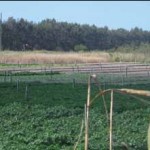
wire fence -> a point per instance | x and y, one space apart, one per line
107 73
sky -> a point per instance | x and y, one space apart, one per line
113 14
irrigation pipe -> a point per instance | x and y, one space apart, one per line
81 129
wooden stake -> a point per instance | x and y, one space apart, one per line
148 139
111 113
87 114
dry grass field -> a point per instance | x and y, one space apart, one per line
50 57
45 57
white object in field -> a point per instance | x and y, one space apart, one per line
93 75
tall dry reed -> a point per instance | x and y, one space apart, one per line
43 57
49 57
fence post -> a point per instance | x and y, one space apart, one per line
11 77
45 71
120 68
72 68
18 63
148 70
26 92
122 80
101 66
5 77
17 85
126 71
74 82
51 73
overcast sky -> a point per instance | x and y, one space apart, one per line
114 14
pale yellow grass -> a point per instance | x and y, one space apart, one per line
46 57
130 57
49 57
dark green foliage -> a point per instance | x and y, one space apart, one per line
49 34
51 118
80 47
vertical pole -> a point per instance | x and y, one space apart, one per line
148 138
11 77
104 85
87 114
5 77
26 92
73 69
147 70
120 68
74 82
17 85
126 71
111 114
0 31
51 73
122 80
45 71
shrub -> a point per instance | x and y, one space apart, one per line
80 47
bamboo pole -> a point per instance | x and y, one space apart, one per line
111 113
148 139
127 91
85 107
82 124
137 92
87 114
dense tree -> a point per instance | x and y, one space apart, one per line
52 35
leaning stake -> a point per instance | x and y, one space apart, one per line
111 113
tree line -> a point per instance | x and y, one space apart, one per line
21 34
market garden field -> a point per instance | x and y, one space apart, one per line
39 111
